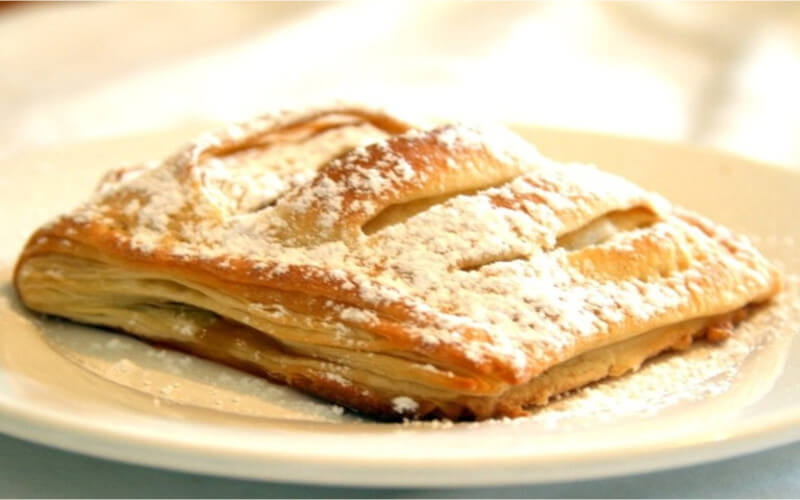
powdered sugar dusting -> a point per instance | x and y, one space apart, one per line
404 404
178 378
705 371
744 367
469 263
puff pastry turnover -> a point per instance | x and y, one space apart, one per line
398 271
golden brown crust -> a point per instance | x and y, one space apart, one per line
399 272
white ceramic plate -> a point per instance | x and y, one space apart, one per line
95 392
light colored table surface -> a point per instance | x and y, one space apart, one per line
28 470
723 76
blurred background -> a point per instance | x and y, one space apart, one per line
721 75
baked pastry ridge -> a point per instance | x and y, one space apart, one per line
398 271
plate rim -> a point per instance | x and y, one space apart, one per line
59 431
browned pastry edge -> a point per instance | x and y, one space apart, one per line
379 406
296 287
303 283
370 402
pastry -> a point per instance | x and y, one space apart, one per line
397 270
